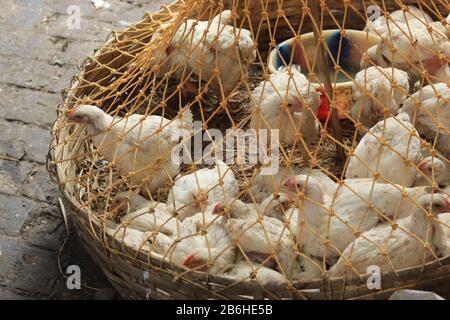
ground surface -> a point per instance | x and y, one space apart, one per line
39 54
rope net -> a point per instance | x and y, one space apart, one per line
268 142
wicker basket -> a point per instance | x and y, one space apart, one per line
136 275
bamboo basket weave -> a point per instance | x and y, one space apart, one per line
136 275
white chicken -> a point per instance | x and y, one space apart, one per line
444 219
284 209
445 191
226 48
391 150
203 244
140 146
287 102
267 241
141 214
277 206
246 271
327 223
432 171
237 209
212 50
194 192
429 110
397 245
126 202
387 89
380 26
157 218
263 240
417 47
447 21
153 242
262 186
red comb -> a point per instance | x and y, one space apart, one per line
324 107
189 260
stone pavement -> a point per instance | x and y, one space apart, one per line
38 56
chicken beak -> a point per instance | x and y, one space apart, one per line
71 115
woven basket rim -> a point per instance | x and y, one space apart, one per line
425 271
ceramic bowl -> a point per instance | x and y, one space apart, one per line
349 48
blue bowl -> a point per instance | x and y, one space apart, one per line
346 51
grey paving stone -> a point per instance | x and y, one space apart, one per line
38 186
38 57
14 211
7 294
23 142
29 106
9 147
43 229
129 10
27 268
37 143
12 175
72 52
89 29
22 14
59 51
34 73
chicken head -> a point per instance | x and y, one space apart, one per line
95 119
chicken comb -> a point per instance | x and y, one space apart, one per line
189 260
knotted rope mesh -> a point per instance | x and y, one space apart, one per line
333 146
